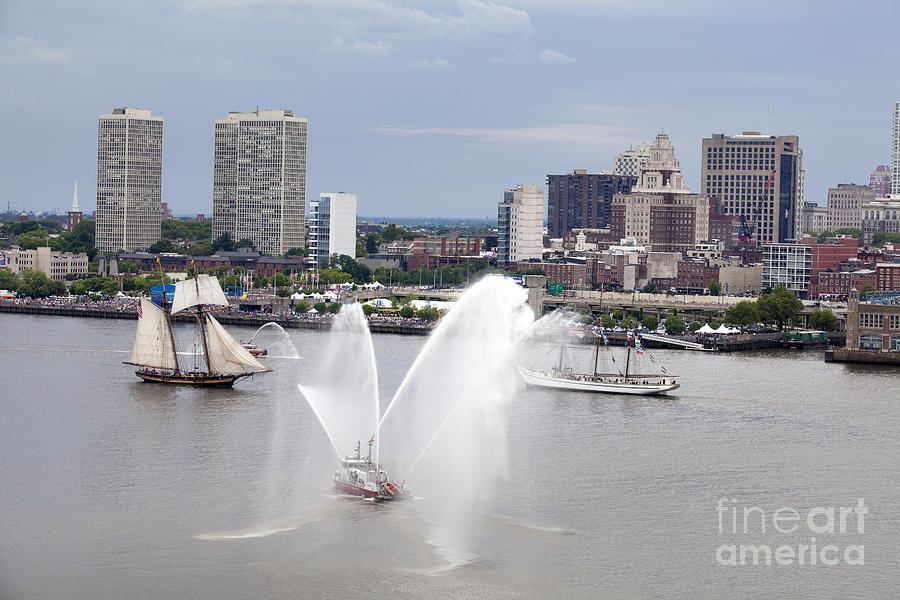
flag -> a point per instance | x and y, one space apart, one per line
139 311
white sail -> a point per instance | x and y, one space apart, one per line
202 290
153 341
226 355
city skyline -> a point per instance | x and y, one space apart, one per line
478 95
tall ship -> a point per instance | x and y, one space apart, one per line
361 476
563 377
223 360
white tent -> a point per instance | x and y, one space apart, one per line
329 296
706 329
312 311
297 296
724 329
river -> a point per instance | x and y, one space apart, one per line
113 488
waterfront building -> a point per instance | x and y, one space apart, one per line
873 325
895 151
837 284
129 179
879 215
520 224
788 265
660 209
813 218
259 179
758 178
844 204
74 215
53 264
582 200
630 161
880 181
332 226
887 277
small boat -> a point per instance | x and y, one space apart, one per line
254 350
224 360
360 476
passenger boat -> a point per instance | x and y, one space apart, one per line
255 350
223 359
360 476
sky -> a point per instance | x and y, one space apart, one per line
433 108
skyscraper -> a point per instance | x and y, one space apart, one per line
895 152
582 200
520 224
630 161
259 179
758 178
332 226
880 181
129 180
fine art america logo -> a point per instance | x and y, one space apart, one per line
818 527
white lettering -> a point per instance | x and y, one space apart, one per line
829 523
777 519
784 556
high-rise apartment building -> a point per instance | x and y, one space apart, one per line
582 200
332 226
259 179
520 224
880 181
844 204
758 178
129 180
895 152
630 161
660 210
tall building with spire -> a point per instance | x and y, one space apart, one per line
895 152
660 210
129 180
259 179
74 216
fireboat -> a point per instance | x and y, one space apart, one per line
359 476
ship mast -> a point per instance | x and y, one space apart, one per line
198 313
627 341
597 349
165 307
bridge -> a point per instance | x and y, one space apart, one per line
662 339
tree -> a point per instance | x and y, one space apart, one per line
695 325
161 245
780 306
358 272
629 323
320 307
675 325
407 312
294 252
245 243
650 288
650 322
368 309
866 288
824 319
301 307
607 321
334 308
715 287
38 285
617 314
880 238
223 242
8 280
743 313
429 314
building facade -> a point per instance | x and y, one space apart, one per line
881 215
887 277
872 326
660 210
582 200
630 161
895 151
789 265
813 218
332 226
259 179
844 204
758 178
880 181
520 224
129 179
55 265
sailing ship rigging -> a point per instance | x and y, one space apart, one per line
155 352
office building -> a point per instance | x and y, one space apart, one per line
259 179
630 161
53 264
129 179
844 204
880 181
879 215
582 200
788 265
895 151
520 224
757 178
660 210
332 226
813 218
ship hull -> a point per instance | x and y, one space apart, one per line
587 384
355 490
200 380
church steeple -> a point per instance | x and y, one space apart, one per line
74 217
75 198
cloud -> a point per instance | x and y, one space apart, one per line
565 133
370 48
434 63
21 49
552 57
384 18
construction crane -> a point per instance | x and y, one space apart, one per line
746 232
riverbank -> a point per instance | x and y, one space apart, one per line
392 325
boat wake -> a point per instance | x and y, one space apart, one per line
271 528
520 524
